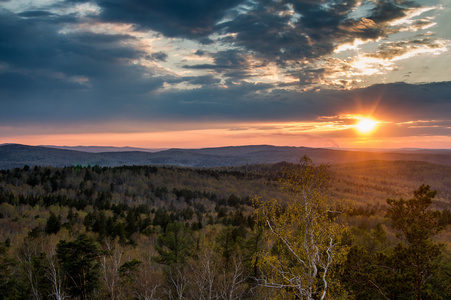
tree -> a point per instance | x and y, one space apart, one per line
175 245
10 286
146 282
410 270
80 261
110 265
205 271
233 278
303 234
54 276
53 224
32 261
419 254
228 239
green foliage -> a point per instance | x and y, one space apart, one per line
175 245
413 217
10 286
303 235
80 261
53 224
176 209
228 240
129 268
419 254
371 276
412 269
38 269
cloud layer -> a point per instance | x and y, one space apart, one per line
100 61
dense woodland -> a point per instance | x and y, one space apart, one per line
370 230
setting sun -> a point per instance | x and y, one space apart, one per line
366 125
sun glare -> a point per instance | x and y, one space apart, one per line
366 125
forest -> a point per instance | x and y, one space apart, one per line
364 230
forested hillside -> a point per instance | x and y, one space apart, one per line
155 232
14 155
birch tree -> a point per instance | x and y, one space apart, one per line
303 238
56 279
110 265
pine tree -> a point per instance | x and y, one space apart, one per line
80 261
53 224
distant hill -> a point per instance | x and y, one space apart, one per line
14 155
100 149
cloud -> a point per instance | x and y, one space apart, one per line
363 28
39 44
236 103
243 38
159 56
399 49
386 11
283 31
234 60
202 80
173 18
35 14
54 75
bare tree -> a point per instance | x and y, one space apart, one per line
147 282
205 275
233 283
110 268
55 277
178 282
29 258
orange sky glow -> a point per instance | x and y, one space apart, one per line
96 74
309 134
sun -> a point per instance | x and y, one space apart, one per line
366 125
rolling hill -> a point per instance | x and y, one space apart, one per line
14 155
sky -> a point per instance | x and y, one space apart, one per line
203 73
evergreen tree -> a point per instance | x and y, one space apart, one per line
53 224
10 286
175 245
80 261
418 254
411 270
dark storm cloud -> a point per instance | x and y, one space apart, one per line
387 10
35 13
173 18
398 102
299 34
52 75
49 75
267 33
36 44
159 56
405 102
285 32
274 33
268 28
229 63
244 102
199 53
237 102
202 80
